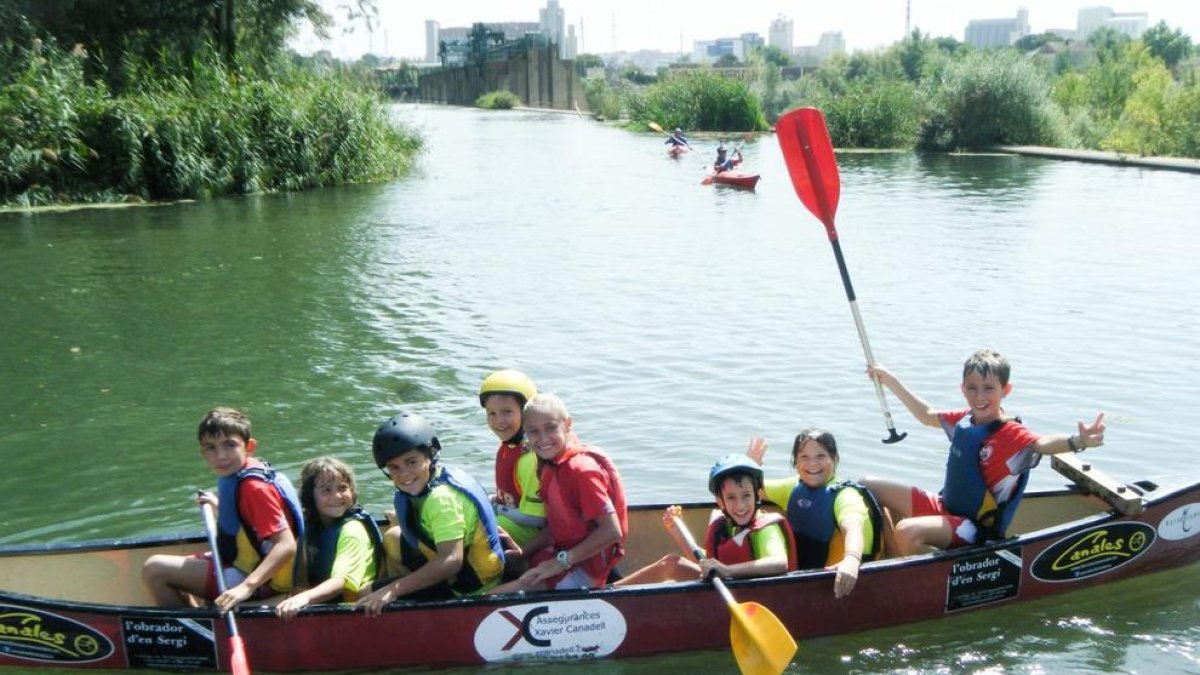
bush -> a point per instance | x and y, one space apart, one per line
602 100
699 100
498 100
882 115
990 98
171 137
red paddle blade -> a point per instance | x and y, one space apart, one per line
808 153
238 664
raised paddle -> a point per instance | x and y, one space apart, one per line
238 664
808 153
761 643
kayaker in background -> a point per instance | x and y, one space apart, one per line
519 509
259 523
343 548
677 140
836 523
724 162
446 526
586 517
991 454
742 540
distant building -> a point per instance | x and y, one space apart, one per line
997 32
780 34
811 56
552 22
1092 19
571 46
432 37
708 51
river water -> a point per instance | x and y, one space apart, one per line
675 319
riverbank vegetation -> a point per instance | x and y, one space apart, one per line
177 114
937 94
498 100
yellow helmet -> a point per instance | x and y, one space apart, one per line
507 382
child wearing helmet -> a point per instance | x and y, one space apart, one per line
450 541
343 548
586 515
677 141
835 523
519 510
742 540
725 162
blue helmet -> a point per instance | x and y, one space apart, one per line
730 464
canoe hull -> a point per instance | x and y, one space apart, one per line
736 178
1095 547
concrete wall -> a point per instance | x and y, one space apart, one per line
539 77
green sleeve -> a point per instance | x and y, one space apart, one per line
769 542
354 560
448 515
850 502
527 478
779 489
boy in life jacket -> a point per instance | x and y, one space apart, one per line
519 509
449 538
835 523
724 162
988 466
742 540
586 517
258 525
343 548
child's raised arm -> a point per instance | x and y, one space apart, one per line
916 405
1088 436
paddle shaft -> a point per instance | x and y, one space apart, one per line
238 662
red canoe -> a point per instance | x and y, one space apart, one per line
735 178
675 151
82 605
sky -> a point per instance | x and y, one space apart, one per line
630 25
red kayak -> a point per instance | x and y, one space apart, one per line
735 178
675 151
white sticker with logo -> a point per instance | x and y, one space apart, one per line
1181 523
571 629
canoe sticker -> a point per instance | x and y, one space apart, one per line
572 629
1181 523
169 643
983 579
35 635
1094 551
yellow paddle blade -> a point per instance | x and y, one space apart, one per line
761 643
654 126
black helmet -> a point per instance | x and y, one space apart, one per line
734 464
401 433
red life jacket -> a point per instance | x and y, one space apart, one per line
507 487
732 550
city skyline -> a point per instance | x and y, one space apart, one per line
604 26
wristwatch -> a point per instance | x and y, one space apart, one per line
563 559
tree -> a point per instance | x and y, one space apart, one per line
1172 46
585 61
726 61
1035 41
774 56
1109 43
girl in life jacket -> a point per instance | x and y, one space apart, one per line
343 550
835 523
742 540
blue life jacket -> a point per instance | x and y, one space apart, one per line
810 514
964 492
416 539
229 519
321 548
